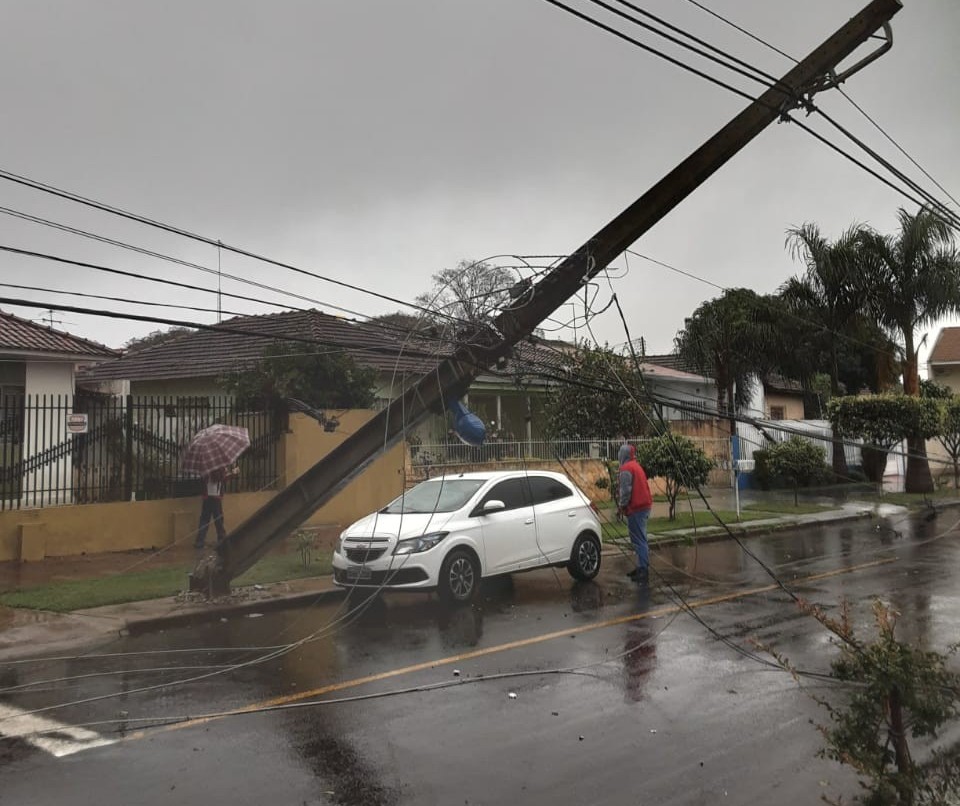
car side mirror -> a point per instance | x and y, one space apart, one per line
493 506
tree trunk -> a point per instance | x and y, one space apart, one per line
911 378
874 463
901 750
840 470
956 475
918 479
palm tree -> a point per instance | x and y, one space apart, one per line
825 295
910 280
728 339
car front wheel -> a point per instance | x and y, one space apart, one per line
585 558
459 577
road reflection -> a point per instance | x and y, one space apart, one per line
639 650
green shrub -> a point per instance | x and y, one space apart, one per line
800 463
763 475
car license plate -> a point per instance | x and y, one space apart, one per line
358 572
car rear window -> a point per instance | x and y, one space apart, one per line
443 495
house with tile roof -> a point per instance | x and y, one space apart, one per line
38 369
507 399
943 364
686 394
194 365
774 396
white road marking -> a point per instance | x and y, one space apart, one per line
56 738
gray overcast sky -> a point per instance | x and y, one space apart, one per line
380 141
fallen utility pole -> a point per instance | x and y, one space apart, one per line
480 350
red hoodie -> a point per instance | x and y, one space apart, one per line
634 488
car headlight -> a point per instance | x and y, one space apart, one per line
415 545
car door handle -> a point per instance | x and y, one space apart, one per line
571 514
528 522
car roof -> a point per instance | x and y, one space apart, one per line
487 475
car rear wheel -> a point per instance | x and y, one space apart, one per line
585 558
459 577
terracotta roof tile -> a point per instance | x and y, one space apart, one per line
209 353
22 334
947 347
671 361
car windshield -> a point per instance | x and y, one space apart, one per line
443 495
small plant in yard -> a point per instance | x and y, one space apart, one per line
678 461
800 462
894 693
305 546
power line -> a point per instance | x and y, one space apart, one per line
846 95
598 384
751 72
115 299
650 49
795 316
783 113
397 330
107 208
169 258
275 337
932 200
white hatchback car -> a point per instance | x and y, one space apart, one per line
448 532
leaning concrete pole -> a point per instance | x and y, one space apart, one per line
298 501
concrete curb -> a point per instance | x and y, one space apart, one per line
187 617
713 534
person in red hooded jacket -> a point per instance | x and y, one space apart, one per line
635 502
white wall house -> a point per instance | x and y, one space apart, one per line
38 366
681 395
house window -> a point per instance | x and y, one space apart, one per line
777 413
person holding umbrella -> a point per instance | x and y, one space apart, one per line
211 455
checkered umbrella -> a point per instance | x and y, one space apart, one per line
213 448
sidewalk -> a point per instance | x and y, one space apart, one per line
28 633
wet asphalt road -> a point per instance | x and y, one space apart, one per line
657 711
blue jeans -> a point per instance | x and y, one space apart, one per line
637 526
212 510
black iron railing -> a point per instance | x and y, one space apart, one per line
130 448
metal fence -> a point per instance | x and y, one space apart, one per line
130 449
818 432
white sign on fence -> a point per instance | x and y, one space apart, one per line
77 423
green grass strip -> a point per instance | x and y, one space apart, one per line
80 594
684 520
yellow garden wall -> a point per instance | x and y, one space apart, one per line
32 534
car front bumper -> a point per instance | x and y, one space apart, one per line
382 573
